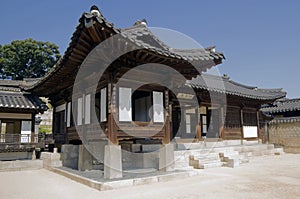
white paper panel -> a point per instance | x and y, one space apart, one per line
188 123
79 111
250 131
26 127
158 107
204 120
87 109
204 127
69 114
103 110
25 130
125 109
60 108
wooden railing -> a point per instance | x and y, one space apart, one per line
20 138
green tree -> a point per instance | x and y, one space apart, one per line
27 59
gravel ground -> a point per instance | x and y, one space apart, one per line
263 177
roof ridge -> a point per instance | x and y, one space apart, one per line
243 85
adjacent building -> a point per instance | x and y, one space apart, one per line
17 120
284 128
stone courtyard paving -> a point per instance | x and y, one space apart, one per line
263 177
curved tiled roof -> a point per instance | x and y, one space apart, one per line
93 29
226 86
12 96
284 105
142 36
285 120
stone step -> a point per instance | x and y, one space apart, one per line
243 149
190 146
186 168
224 149
230 153
181 163
214 144
227 158
278 151
244 160
209 165
232 163
207 159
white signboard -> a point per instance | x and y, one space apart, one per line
125 110
103 105
158 107
250 131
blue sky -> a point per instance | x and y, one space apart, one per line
260 39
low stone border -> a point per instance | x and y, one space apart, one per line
19 165
121 183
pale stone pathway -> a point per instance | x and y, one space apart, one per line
263 177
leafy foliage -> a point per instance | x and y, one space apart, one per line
27 59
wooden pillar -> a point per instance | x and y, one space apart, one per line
53 124
111 98
167 137
222 123
32 127
258 125
198 126
242 124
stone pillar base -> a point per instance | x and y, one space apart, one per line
85 159
113 162
166 158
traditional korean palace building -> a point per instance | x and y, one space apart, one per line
187 104
17 119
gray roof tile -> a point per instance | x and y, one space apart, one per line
283 105
229 87
12 96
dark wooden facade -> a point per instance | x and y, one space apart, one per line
81 114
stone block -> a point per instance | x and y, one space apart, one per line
97 148
117 184
254 142
150 147
51 160
233 163
18 165
151 160
69 156
214 144
136 148
232 142
166 157
190 146
146 180
85 159
113 162
27 164
15 156
132 160
139 160
172 176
